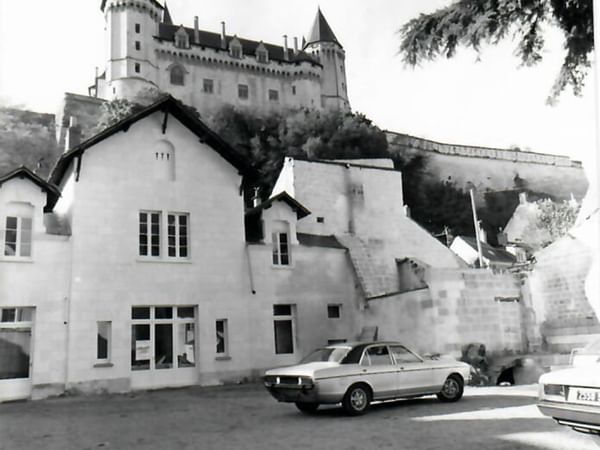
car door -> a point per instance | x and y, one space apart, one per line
379 370
414 375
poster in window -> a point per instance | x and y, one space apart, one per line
142 350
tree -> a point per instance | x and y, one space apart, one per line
556 218
471 23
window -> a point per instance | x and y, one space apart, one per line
273 95
137 67
207 86
243 91
221 337
376 356
177 75
149 233
177 226
162 337
293 90
103 342
281 249
17 236
137 28
138 46
320 219
403 355
235 50
177 235
334 311
284 328
261 57
182 40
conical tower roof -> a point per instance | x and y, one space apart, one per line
321 31
167 16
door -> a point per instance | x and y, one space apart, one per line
414 375
15 353
378 369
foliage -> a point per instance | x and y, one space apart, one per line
472 23
265 138
556 217
27 138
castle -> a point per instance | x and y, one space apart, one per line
206 70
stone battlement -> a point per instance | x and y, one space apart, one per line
416 143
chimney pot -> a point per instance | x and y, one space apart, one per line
73 134
286 55
295 45
223 36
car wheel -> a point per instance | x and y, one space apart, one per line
307 408
452 390
357 399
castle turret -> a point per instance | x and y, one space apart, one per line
323 44
130 27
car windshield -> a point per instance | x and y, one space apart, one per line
331 354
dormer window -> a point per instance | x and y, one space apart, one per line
182 40
262 55
235 48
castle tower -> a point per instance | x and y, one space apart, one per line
130 27
323 44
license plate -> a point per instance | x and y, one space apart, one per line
584 396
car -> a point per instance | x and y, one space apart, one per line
572 396
355 374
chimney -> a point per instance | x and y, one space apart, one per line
295 45
522 198
196 31
223 37
72 135
286 56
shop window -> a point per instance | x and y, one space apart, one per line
103 342
243 91
221 337
334 311
164 338
283 324
17 236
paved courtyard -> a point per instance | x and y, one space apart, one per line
246 417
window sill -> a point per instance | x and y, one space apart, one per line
282 266
103 364
164 260
16 259
223 358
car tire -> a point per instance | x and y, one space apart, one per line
307 408
357 399
452 390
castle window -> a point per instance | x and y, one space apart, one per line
273 95
138 46
207 86
243 91
236 52
177 75
137 67
293 90
137 28
235 48
261 57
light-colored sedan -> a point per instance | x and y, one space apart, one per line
572 397
354 374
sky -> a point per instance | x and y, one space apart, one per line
51 47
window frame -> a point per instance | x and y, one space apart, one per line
243 91
208 86
273 95
106 360
177 236
280 317
330 307
149 234
177 75
19 235
277 252
225 335
137 67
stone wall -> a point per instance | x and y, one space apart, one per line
460 306
86 110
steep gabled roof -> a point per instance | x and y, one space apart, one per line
166 18
23 172
299 208
168 105
492 254
166 32
321 31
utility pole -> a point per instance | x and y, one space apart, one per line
476 223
